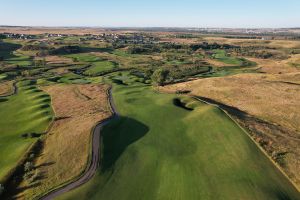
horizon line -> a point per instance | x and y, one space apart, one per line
146 27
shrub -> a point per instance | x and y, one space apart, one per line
24 135
159 76
28 166
34 135
31 156
27 176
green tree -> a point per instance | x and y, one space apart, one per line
159 76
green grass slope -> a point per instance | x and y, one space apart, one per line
221 56
99 67
158 149
28 111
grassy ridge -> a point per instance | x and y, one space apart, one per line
28 111
158 150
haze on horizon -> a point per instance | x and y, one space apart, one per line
154 13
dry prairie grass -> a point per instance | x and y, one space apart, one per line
6 88
217 63
57 60
78 108
287 44
268 97
272 66
41 30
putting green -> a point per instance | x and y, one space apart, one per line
28 111
159 150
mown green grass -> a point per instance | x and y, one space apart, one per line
221 56
20 60
3 76
157 150
99 67
28 111
84 57
70 78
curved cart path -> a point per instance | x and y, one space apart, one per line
93 165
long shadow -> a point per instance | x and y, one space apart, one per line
230 109
117 136
95 49
7 48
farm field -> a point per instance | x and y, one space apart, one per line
152 157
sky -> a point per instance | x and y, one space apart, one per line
152 13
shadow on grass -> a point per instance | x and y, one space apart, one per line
177 102
46 164
6 50
94 49
117 136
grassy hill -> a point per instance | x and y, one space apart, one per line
169 147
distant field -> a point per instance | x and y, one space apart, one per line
169 147
28 111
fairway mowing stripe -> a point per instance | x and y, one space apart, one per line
244 130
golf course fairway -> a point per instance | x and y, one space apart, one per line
158 149
24 115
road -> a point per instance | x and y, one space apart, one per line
93 165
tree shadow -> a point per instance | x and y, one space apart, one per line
46 164
6 50
95 49
117 136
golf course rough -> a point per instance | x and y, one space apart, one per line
26 112
157 150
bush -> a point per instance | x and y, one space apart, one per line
24 135
34 135
31 156
28 166
159 76
27 176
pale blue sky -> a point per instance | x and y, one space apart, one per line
151 13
